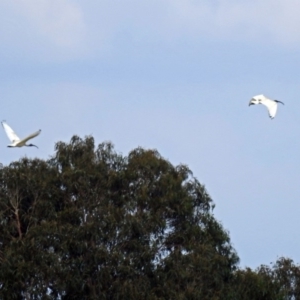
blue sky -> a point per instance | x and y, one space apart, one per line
175 75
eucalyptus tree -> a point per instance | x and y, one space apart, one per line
90 223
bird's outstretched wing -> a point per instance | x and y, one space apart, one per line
31 136
272 111
271 106
10 133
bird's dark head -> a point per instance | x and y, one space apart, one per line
256 100
31 145
253 101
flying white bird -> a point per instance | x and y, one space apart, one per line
270 104
15 140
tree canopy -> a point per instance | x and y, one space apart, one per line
89 223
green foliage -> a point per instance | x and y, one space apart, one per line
287 276
260 285
279 282
92 224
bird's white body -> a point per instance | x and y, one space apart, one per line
270 104
15 140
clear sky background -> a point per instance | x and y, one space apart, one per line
177 76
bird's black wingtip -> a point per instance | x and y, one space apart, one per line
279 101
